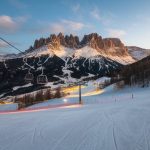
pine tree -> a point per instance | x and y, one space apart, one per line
48 94
58 93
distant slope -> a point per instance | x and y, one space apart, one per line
138 53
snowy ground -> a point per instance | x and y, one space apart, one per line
111 120
8 107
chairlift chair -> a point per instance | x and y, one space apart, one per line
29 77
42 79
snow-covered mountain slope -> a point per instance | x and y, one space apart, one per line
49 50
57 69
138 53
126 59
85 52
88 52
8 56
114 121
64 52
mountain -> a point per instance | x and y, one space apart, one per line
69 46
63 59
138 53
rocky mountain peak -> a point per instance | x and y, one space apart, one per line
72 41
67 41
94 40
115 46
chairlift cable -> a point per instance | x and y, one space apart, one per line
11 45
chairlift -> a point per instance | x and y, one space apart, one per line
29 77
42 79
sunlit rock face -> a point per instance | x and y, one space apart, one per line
93 40
72 41
114 46
69 41
108 45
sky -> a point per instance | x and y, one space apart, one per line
23 21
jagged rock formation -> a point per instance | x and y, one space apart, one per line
111 46
94 40
115 46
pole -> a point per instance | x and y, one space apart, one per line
80 101
132 83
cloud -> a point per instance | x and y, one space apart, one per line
118 33
96 14
7 24
56 28
106 18
11 25
76 8
72 25
64 26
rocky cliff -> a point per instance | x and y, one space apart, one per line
112 46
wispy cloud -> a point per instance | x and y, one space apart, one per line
118 33
96 14
9 24
76 8
73 25
64 26
56 28
103 17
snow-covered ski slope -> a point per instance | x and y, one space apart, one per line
111 120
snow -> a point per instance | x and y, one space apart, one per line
18 87
1 95
138 53
49 50
86 52
127 59
8 107
122 124
64 52
44 50
102 80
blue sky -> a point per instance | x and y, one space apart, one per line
23 21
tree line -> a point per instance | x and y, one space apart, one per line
38 96
137 73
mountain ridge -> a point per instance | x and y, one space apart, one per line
70 45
